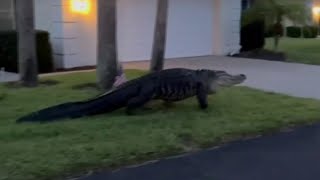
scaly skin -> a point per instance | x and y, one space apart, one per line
168 85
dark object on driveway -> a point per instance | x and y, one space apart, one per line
169 85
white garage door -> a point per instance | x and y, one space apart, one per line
189 33
135 29
190 28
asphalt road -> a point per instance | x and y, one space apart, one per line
284 156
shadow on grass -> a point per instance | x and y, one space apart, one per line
42 83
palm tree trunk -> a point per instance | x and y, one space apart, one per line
28 67
159 40
106 46
278 30
276 42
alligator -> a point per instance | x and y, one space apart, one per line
169 85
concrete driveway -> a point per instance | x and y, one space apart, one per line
289 78
7 76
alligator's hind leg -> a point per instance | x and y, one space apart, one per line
140 100
135 103
202 96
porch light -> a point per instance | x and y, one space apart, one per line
316 10
80 6
316 15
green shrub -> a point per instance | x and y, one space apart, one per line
9 52
252 31
310 31
294 31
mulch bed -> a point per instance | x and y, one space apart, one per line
263 54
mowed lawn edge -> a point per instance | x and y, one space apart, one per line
298 50
60 149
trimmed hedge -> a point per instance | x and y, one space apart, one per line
294 31
9 52
310 31
305 31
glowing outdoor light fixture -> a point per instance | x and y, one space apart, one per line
316 10
80 6
316 13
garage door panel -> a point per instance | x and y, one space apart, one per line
190 28
135 29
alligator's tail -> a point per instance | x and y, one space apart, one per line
70 110
62 111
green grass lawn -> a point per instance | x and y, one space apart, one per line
49 151
298 50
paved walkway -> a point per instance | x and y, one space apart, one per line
7 77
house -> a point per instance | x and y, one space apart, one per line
195 28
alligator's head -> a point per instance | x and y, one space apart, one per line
218 79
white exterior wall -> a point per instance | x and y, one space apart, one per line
54 17
195 28
227 14
190 28
135 29
43 14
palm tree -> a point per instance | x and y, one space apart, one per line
107 66
273 12
28 68
159 40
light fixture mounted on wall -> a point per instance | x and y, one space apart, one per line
316 15
80 6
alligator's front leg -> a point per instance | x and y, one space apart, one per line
202 96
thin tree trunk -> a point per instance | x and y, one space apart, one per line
159 41
28 67
107 46
276 42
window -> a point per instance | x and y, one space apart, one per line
7 18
